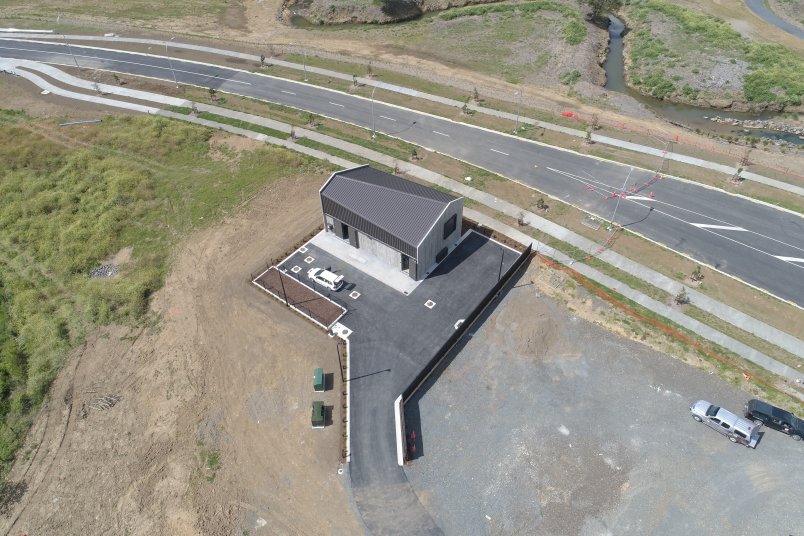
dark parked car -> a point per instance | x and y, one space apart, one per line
763 413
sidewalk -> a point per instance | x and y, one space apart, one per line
728 314
606 140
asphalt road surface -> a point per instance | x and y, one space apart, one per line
757 243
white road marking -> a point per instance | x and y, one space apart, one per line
496 151
440 133
722 227
336 104
206 75
638 198
388 118
288 92
789 259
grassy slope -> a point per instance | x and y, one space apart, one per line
141 182
681 68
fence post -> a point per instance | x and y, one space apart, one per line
284 294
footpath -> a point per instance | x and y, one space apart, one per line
598 138
777 337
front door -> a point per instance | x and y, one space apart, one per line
344 231
405 263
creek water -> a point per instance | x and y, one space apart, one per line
690 116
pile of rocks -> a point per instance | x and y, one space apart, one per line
765 124
104 271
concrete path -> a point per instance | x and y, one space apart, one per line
606 140
725 312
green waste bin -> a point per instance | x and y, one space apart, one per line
318 380
318 414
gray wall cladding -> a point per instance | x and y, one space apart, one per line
393 210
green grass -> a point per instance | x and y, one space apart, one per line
243 124
776 74
573 29
143 182
140 10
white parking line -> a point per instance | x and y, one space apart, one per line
722 227
789 259
496 151
288 92
388 118
336 104
440 133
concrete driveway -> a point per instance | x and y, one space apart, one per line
547 424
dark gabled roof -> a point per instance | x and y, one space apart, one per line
396 211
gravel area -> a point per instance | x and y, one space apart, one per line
547 424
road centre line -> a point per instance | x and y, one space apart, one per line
587 181
288 92
496 151
124 61
728 238
388 118
336 104
440 133
722 227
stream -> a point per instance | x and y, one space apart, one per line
683 114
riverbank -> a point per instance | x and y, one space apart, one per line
327 12
683 56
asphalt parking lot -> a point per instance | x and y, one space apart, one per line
394 337
547 424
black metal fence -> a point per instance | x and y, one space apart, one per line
467 323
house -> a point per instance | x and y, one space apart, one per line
406 225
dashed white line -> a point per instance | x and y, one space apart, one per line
388 118
722 227
288 92
440 133
336 104
789 259
496 151
638 197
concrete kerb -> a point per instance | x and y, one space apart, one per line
415 170
434 98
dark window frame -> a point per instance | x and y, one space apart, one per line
450 224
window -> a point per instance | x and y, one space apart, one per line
725 425
740 434
450 225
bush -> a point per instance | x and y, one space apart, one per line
570 77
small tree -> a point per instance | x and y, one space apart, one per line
354 80
97 88
414 155
194 109
475 95
682 298
595 122
540 204
697 274
262 60
117 79
369 71
213 94
520 219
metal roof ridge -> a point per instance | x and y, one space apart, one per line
400 191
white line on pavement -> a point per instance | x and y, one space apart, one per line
637 198
440 133
288 92
336 104
130 63
722 227
789 259
388 118
496 151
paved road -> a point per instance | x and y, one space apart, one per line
761 10
754 242
395 337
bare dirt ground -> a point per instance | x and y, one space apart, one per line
211 432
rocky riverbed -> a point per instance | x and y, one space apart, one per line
761 124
